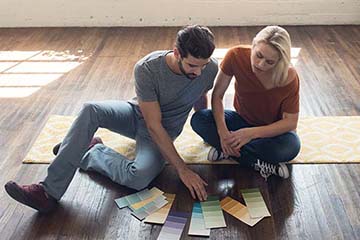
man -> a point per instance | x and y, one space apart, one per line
168 84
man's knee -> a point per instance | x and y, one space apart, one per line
141 176
138 181
91 112
139 184
89 107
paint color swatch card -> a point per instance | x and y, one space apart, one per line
255 203
238 210
155 192
174 226
133 198
197 223
213 215
160 215
149 208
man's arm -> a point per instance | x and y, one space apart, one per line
202 103
152 115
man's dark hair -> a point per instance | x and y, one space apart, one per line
196 40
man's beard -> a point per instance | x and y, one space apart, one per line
190 76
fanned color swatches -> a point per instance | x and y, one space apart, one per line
238 210
133 198
155 192
197 223
213 215
149 208
255 203
160 215
173 227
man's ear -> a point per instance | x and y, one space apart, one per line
177 53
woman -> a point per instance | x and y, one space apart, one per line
261 132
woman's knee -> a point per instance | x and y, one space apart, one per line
294 143
200 119
289 150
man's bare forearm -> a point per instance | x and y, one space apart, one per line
166 146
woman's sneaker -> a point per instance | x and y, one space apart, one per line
216 155
267 169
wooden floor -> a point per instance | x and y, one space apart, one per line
69 66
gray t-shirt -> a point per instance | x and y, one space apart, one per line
176 94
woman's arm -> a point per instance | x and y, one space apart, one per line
286 124
221 85
245 135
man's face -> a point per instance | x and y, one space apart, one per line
192 67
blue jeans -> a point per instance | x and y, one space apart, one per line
119 117
282 148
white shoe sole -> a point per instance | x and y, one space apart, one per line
284 171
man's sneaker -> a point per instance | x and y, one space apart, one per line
93 142
216 155
32 195
267 169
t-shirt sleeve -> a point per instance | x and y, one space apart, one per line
291 102
213 71
144 84
226 64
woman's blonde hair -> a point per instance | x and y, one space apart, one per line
278 38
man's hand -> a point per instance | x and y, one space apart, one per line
152 115
194 183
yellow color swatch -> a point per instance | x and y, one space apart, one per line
160 216
238 210
155 192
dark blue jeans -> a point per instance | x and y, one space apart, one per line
282 148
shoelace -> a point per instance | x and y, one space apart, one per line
266 169
219 155
223 156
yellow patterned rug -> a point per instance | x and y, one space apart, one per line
324 140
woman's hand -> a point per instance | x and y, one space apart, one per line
227 139
240 138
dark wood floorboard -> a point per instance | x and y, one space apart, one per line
319 201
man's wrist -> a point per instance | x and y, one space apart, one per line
181 167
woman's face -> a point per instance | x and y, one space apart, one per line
263 58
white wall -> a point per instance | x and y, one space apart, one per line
41 13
